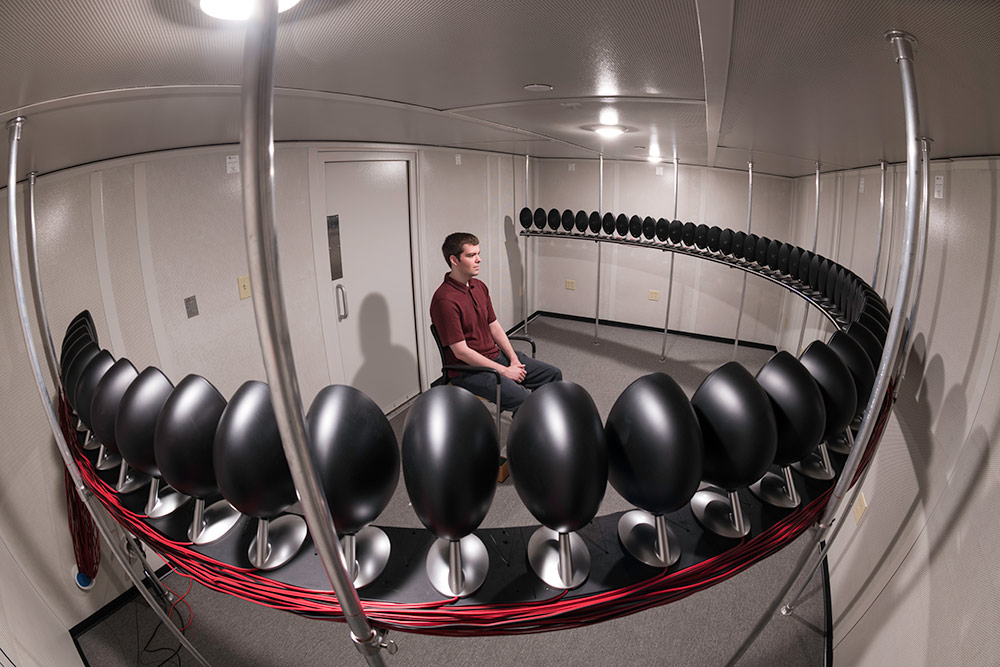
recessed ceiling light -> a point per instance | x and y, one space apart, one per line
607 131
609 116
538 87
655 158
237 10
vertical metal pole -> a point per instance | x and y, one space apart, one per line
881 222
36 285
600 206
524 271
902 44
805 314
925 204
743 293
101 519
670 280
257 154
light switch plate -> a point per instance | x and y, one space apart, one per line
570 284
243 282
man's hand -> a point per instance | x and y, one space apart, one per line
515 371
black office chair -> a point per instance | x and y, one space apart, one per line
463 368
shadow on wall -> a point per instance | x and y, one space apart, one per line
384 367
516 270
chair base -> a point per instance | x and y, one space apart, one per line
719 512
637 531
561 560
371 554
282 538
472 558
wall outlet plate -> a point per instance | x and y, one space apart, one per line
570 284
860 505
654 295
243 282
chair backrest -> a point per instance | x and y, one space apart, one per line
440 347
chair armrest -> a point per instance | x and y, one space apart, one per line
462 368
526 339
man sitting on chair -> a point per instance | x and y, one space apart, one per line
463 315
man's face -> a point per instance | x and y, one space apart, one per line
467 262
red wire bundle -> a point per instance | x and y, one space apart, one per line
442 617
86 540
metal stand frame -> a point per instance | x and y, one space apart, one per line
881 222
911 320
805 313
743 292
600 207
670 279
524 270
902 45
257 156
101 519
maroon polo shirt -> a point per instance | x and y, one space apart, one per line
461 312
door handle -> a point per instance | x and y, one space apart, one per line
341 295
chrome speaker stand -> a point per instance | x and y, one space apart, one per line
719 512
106 459
366 553
163 500
129 479
457 568
648 538
561 560
816 465
277 541
210 523
777 490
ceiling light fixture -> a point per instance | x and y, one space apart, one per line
609 116
655 159
607 131
538 87
237 10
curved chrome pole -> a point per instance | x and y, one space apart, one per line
101 520
524 275
600 206
902 44
670 280
743 293
805 315
881 222
41 314
257 155
918 278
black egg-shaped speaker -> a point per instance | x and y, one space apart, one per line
595 222
701 236
635 226
184 440
450 459
714 238
558 457
107 399
853 355
838 286
760 256
654 445
71 351
250 465
539 218
687 233
621 225
73 367
805 266
608 223
870 321
867 340
525 217
784 252
74 341
821 276
750 247
773 250
737 426
835 384
726 242
739 244
582 219
662 230
554 218
568 220
135 424
815 271
676 231
648 228
799 410
793 262
355 454
90 376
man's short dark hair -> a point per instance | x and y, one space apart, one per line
453 244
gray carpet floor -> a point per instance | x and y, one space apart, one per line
701 630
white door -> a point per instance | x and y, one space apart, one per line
369 282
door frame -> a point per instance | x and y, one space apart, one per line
318 157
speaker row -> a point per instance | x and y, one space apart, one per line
863 310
